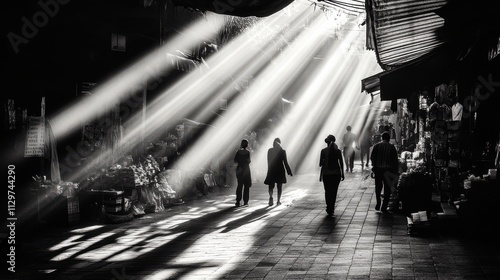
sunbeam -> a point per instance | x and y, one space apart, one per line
250 107
127 82
315 102
199 88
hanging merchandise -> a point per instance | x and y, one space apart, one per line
35 137
423 102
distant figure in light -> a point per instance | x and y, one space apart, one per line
349 140
243 176
276 163
365 144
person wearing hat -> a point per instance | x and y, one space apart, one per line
276 164
332 172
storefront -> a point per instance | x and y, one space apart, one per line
442 84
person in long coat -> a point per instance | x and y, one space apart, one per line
243 175
276 164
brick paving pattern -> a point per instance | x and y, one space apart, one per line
209 238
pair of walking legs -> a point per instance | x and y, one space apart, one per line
365 152
331 185
244 185
271 191
349 158
382 182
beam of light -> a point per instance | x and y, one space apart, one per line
69 241
82 246
330 91
127 82
196 89
343 114
316 97
199 88
340 114
151 243
86 229
248 110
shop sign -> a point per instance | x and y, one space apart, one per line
35 137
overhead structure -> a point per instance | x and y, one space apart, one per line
352 6
242 8
425 42
404 30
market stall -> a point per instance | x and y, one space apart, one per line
125 191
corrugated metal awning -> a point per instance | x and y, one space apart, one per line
427 71
404 30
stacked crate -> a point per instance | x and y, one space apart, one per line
113 201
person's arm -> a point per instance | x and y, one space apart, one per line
497 158
287 166
321 158
373 156
341 163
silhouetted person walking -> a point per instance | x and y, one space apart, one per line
385 163
365 144
276 164
243 176
332 172
349 140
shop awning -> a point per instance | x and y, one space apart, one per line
371 84
422 43
404 30
427 71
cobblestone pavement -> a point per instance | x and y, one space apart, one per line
210 238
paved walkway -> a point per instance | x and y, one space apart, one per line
212 239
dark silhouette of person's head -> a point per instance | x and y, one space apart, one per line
330 139
348 128
386 136
453 99
277 142
244 143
